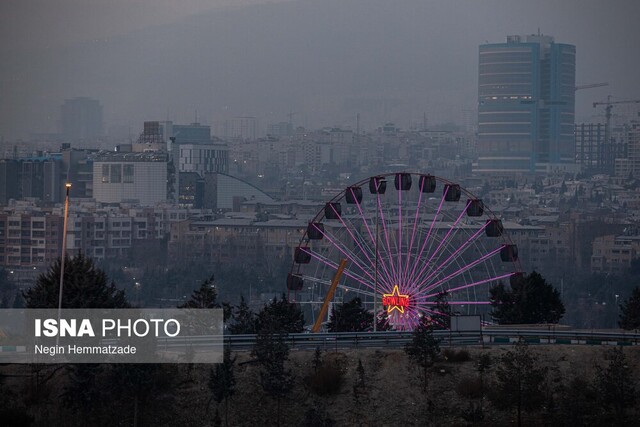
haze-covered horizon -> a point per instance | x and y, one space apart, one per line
325 61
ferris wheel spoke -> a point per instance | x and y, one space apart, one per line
366 253
334 266
470 285
469 302
399 239
413 232
437 267
463 269
426 239
375 240
347 253
424 308
446 243
353 238
444 239
386 240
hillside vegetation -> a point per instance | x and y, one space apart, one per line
579 386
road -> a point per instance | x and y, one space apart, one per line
392 339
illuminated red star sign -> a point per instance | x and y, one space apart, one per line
395 301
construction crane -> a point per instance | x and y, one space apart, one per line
608 107
575 89
590 86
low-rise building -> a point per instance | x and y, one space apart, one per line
614 253
130 177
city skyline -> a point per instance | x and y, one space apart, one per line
395 63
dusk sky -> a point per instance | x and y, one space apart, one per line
324 60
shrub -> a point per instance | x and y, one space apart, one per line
460 356
326 380
470 387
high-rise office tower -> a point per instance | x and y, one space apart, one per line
81 119
526 105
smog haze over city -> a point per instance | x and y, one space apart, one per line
390 61
319 212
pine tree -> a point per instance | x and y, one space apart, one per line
578 403
615 386
630 311
360 378
136 385
350 317
85 286
222 382
519 382
18 301
244 320
204 297
280 316
7 288
271 352
317 360
424 348
530 300
441 316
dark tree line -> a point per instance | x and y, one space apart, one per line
630 311
85 286
519 384
529 299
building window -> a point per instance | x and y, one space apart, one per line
116 174
128 174
105 173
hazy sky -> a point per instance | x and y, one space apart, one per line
325 60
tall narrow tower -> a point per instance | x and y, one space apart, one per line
526 105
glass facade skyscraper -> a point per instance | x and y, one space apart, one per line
526 105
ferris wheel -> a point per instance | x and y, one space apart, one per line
401 242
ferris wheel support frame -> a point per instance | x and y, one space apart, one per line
329 296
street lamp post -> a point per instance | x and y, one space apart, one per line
64 249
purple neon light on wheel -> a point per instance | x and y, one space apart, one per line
407 238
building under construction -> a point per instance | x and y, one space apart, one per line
593 153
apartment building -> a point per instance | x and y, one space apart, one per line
614 253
